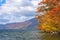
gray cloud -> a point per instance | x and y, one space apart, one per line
17 10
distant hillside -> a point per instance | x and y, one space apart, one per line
31 24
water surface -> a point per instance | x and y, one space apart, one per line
27 35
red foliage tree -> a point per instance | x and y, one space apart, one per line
48 14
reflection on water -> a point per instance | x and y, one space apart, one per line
27 35
49 36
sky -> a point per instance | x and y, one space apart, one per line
17 10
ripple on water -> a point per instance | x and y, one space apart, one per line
28 35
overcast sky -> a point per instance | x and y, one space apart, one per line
17 10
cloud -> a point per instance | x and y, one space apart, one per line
13 18
18 10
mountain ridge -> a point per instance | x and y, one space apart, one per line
27 25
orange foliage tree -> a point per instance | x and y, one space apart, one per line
48 14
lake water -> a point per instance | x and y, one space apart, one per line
27 35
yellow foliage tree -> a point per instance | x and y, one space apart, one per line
48 14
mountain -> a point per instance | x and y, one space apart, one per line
31 24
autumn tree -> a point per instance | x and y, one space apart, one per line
48 14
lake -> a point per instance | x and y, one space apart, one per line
27 35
